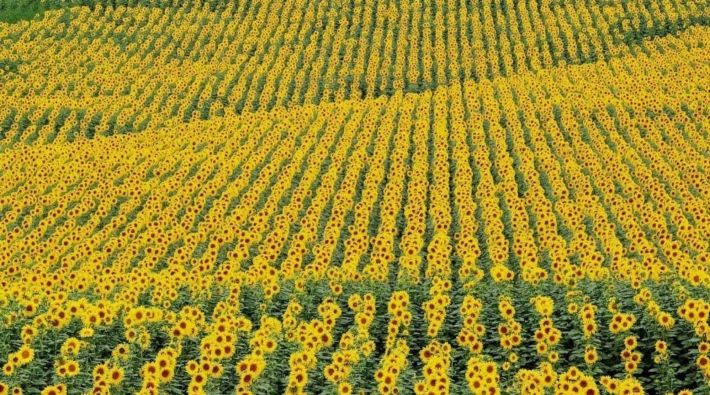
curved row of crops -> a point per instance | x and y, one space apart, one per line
546 232
80 72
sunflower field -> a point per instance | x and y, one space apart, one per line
406 197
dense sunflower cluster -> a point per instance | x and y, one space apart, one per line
356 197
123 66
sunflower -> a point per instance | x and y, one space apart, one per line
115 376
